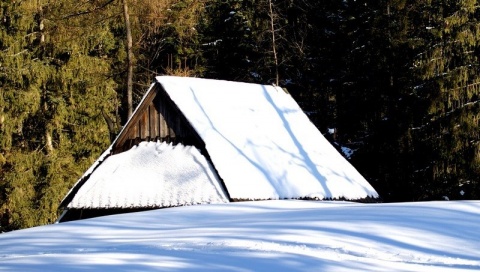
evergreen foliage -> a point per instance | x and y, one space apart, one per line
446 73
169 41
52 89
428 135
397 79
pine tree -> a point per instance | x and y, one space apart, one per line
229 41
446 66
426 143
54 82
170 38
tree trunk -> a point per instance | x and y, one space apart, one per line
274 46
129 59
48 142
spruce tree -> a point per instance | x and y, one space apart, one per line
54 83
425 145
171 43
447 83
229 41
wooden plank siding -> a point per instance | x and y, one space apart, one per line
157 118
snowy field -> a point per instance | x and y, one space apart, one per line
258 236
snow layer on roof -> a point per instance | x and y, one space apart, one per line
262 144
152 174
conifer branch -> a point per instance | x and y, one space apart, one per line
88 11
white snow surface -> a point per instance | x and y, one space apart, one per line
152 174
261 142
277 235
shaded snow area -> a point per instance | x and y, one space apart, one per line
262 144
152 174
279 235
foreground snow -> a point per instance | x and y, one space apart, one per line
258 236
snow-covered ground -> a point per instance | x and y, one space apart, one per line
279 235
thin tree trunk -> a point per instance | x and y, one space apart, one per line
129 59
274 46
48 142
48 132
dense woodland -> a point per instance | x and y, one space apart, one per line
398 80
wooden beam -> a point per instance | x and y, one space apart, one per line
153 115
133 121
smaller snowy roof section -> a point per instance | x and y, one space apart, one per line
262 144
152 174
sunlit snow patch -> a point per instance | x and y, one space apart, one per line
152 174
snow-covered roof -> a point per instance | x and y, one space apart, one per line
152 174
261 142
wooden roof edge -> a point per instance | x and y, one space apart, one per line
144 103
71 194
76 187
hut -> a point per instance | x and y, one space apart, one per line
200 141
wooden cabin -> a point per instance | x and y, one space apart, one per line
230 141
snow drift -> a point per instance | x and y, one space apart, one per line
282 235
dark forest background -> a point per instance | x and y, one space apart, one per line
398 80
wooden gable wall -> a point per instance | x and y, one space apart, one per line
157 118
